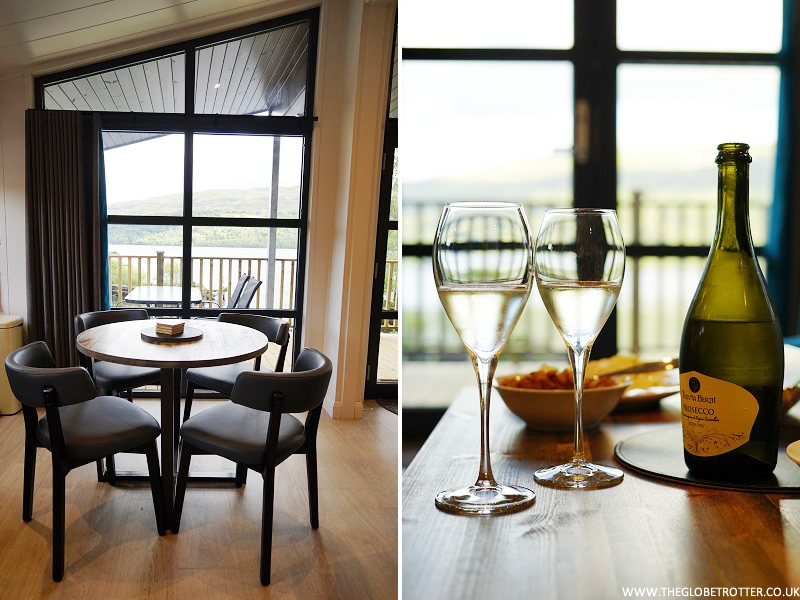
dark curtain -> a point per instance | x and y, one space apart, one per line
65 221
783 246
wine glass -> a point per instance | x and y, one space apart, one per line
579 265
482 264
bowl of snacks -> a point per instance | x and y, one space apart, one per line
545 400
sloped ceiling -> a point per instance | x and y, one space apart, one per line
35 34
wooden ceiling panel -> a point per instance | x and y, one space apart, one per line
34 32
165 82
101 91
284 88
111 81
179 82
273 71
154 87
90 95
125 77
224 79
202 67
237 75
261 73
75 97
257 62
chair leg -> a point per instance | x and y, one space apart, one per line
29 473
59 484
241 475
266 522
129 395
111 471
313 495
180 488
101 478
155 486
187 406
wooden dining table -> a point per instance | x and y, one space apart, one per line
220 344
644 534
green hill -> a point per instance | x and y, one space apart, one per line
252 203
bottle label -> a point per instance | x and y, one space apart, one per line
717 415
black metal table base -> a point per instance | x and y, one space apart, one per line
194 476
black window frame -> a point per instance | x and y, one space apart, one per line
188 124
373 388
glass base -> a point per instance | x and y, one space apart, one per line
485 500
579 474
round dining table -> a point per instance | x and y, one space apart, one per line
220 344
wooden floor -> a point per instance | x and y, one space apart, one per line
113 550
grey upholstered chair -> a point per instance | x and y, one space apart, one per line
222 378
78 428
254 430
111 377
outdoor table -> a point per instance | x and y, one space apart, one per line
221 344
579 544
154 295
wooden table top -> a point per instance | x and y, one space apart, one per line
222 343
161 294
577 544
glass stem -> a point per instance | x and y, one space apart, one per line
578 361
485 373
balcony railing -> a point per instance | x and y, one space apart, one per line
216 276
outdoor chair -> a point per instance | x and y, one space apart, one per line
79 427
248 293
258 411
235 294
112 378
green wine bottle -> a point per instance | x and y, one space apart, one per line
731 362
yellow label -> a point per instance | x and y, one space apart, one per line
717 415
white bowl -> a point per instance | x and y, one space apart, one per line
554 410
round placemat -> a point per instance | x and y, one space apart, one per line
659 454
189 334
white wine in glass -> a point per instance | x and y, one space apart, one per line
482 265
579 265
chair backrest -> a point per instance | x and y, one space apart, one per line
88 320
248 293
303 389
31 368
276 330
237 291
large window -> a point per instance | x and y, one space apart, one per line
612 104
206 146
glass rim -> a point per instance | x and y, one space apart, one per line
581 211
483 204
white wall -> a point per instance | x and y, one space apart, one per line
353 73
352 83
16 94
